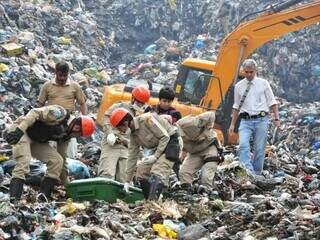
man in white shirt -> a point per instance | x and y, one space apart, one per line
253 98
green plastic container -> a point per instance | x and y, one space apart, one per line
102 189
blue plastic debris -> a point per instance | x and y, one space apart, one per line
77 169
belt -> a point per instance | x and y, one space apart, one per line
245 115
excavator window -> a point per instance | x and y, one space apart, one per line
191 84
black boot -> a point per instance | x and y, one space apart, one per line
16 189
176 168
47 186
145 186
156 187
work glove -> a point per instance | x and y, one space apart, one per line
126 187
149 160
13 137
111 139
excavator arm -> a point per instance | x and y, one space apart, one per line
247 37
201 85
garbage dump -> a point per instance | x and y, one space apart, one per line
108 42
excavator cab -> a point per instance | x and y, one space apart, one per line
193 80
191 84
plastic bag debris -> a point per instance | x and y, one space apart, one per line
164 231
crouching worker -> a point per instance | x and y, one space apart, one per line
203 148
149 130
30 136
114 145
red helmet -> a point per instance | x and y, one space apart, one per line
117 116
87 126
141 93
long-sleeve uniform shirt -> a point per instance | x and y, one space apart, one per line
39 126
151 131
113 159
65 95
197 131
50 115
198 140
107 128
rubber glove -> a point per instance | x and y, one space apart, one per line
111 139
149 160
126 187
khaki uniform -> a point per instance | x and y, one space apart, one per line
113 159
26 148
198 136
151 131
65 96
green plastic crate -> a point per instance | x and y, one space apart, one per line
102 189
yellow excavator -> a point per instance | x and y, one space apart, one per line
202 85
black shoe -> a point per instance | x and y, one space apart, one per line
156 187
145 186
16 189
47 186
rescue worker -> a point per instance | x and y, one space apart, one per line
66 93
63 91
201 143
30 136
149 130
116 141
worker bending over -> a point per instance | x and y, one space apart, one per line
201 143
114 145
149 130
30 136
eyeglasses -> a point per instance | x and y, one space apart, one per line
248 71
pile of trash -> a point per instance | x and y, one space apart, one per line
197 30
283 204
103 43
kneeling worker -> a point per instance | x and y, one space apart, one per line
30 136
